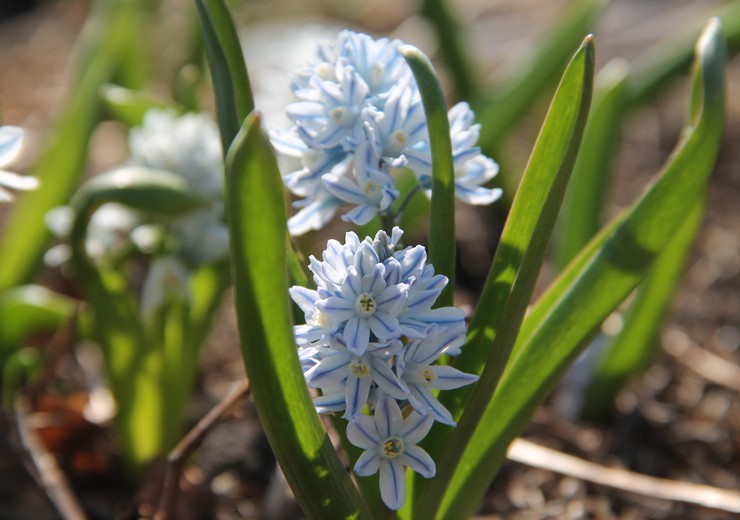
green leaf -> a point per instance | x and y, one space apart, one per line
672 56
635 346
257 217
618 91
604 279
510 283
228 70
61 162
505 107
442 225
31 308
129 106
147 421
146 189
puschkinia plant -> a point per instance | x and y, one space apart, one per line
160 215
360 118
370 340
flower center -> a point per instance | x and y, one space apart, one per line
326 72
395 143
359 369
365 305
341 116
320 319
372 190
392 447
421 376
377 73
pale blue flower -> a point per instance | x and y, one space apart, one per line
366 304
390 444
356 375
359 118
472 169
11 141
424 289
188 145
415 369
372 190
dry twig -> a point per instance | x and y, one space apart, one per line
179 456
47 473
538 456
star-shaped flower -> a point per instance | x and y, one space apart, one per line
390 444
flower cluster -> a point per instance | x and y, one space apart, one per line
370 339
11 139
188 146
359 118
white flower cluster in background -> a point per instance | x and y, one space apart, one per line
359 118
11 141
188 146
371 338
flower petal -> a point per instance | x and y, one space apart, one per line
357 390
388 417
423 401
367 464
361 432
415 428
357 336
418 460
331 370
387 380
392 484
449 378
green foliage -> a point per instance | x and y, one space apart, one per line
150 368
508 289
258 230
129 106
596 283
107 37
442 216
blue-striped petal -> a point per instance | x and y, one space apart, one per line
392 484
418 460
362 432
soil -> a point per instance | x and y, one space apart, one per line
674 421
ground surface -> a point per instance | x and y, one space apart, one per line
681 420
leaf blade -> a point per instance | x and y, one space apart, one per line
259 238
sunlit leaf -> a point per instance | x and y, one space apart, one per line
604 279
258 228
510 283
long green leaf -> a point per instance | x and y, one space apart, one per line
134 366
258 232
228 38
61 162
228 70
635 346
509 287
442 225
617 93
604 280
